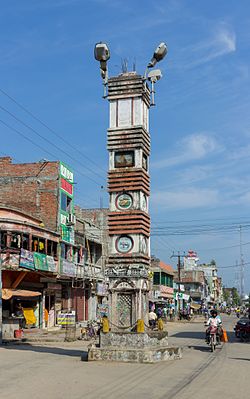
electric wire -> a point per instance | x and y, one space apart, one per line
25 109
52 144
42 148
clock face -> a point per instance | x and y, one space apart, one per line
124 201
124 244
144 203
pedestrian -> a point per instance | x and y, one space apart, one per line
46 317
159 313
165 312
152 317
171 313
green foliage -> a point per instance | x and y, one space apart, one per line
235 297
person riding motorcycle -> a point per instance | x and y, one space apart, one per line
214 321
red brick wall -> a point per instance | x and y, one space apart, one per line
32 188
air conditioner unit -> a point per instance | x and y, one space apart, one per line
71 220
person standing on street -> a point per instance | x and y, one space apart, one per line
152 317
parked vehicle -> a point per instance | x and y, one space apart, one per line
241 323
242 329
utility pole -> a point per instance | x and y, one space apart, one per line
1 302
241 267
179 256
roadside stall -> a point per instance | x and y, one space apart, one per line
20 310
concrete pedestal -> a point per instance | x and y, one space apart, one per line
149 347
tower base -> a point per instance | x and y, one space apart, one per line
130 347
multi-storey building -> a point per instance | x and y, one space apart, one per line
162 292
42 263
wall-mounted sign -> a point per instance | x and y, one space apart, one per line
124 201
127 272
68 268
66 173
40 261
66 186
51 264
26 259
9 261
166 290
124 244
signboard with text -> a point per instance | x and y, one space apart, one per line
68 268
40 261
27 259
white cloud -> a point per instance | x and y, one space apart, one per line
185 199
191 148
221 42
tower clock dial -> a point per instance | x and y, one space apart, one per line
124 244
124 201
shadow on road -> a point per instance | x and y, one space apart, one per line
190 334
200 348
239 358
48 349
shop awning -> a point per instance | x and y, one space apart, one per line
8 293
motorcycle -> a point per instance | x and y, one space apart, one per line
213 340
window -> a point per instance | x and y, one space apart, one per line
65 202
124 159
51 248
15 241
35 244
41 245
25 241
63 251
163 279
3 239
156 279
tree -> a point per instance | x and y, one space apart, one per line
226 295
235 297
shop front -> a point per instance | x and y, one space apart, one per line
20 309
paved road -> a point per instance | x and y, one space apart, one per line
54 372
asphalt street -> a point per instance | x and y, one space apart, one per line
54 371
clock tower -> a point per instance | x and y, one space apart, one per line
128 143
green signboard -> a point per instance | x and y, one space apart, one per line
40 261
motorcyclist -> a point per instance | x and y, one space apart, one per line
214 321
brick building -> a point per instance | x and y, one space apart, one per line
50 259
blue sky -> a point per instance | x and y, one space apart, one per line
200 127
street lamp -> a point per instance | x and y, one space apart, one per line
155 75
159 54
102 54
